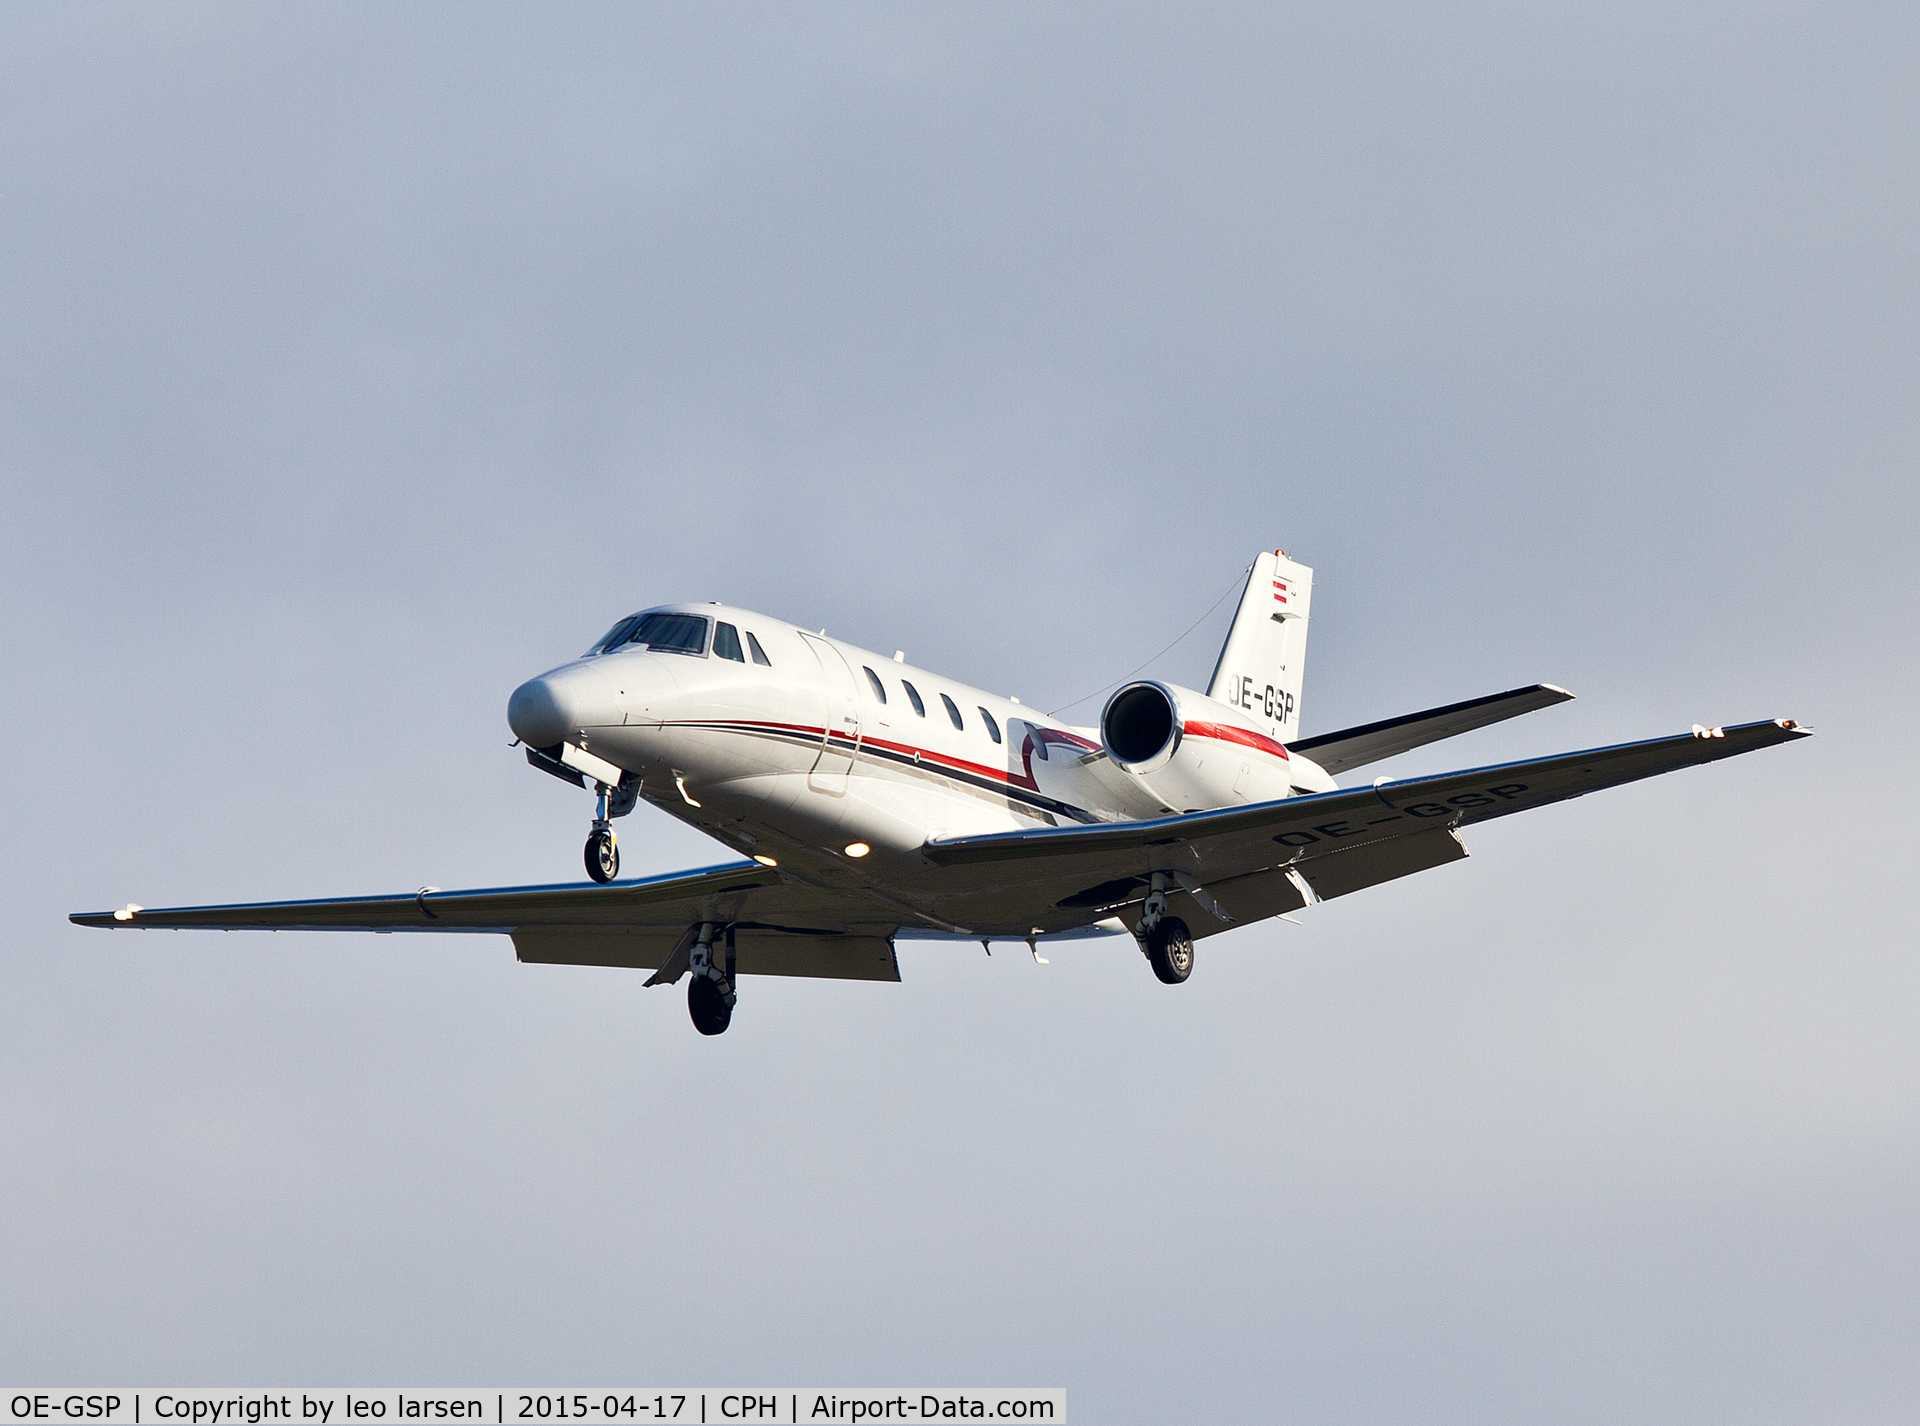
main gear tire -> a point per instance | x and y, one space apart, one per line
603 856
1170 950
707 1005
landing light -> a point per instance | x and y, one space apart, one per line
766 861
857 849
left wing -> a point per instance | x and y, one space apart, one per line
1240 841
783 926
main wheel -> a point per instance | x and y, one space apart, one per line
1170 950
708 1007
603 856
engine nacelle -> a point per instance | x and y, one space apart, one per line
1191 753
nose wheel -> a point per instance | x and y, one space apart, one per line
603 849
603 855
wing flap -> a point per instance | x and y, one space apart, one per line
1246 898
818 957
1356 868
1370 742
1265 894
758 951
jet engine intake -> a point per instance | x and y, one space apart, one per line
1188 751
1141 727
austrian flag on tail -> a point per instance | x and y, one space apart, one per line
1282 590
1266 649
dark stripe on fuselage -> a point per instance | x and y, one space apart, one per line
924 761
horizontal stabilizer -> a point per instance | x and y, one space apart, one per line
1371 742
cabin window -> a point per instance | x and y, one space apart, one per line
726 643
993 728
759 654
913 697
671 634
952 712
879 688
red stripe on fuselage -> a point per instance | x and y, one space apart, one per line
927 755
1060 737
1228 733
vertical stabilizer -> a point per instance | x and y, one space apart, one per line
1265 657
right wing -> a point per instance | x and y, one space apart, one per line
783 926
1370 742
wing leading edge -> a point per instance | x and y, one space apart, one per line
497 910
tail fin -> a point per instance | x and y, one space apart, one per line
1264 660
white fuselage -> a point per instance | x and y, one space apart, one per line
826 746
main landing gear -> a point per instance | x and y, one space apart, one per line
1164 940
603 849
1170 950
710 994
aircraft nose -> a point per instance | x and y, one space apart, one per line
553 707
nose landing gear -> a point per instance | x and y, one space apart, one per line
603 855
603 849
710 996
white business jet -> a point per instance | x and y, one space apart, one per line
873 801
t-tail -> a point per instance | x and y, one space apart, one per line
1263 663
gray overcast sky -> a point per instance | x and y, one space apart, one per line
358 362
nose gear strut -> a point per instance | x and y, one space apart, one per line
603 849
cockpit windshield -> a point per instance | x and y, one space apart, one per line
658 633
669 634
615 635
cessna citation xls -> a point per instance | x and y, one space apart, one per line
875 801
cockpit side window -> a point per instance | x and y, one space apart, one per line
726 643
953 713
615 636
759 654
671 634
993 728
913 697
879 688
